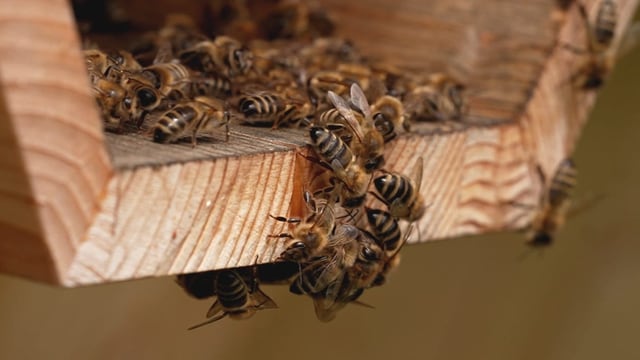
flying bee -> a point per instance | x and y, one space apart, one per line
554 204
311 236
368 144
402 194
352 179
190 118
170 79
388 116
238 297
592 72
224 55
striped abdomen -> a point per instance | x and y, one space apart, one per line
330 147
260 108
216 86
385 228
562 183
174 123
395 188
606 21
233 293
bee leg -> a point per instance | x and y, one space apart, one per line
287 220
193 140
281 236
378 197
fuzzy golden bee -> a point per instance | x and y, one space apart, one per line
191 118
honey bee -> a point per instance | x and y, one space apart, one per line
224 55
439 100
141 99
267 107
385 228
214 85
238 297
402 194
322 82
388 116
311 236
170 79
334 154
591 74
189 118
339 274
554 205
368 144
110 97
352 281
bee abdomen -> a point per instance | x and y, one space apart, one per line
232 291
385 228
606 22
329 146
173 124
259 108
563 182
393 187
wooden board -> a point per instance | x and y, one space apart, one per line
176 209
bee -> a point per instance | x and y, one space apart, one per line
402 194
368 144
311 236
238 297
290 19
322 82
385 228
351 281
333 278
329 265
169 79
554 204
110 97
224 55
388 116
141 99
348 178
189 118
439 100
214 85
591 74
267 107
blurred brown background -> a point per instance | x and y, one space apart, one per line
457 299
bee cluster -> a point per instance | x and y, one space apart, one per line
178 83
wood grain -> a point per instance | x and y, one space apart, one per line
55 163
171 209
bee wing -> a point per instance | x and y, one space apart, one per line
209 321
359 99
326 305
263 301
343 107
214 309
